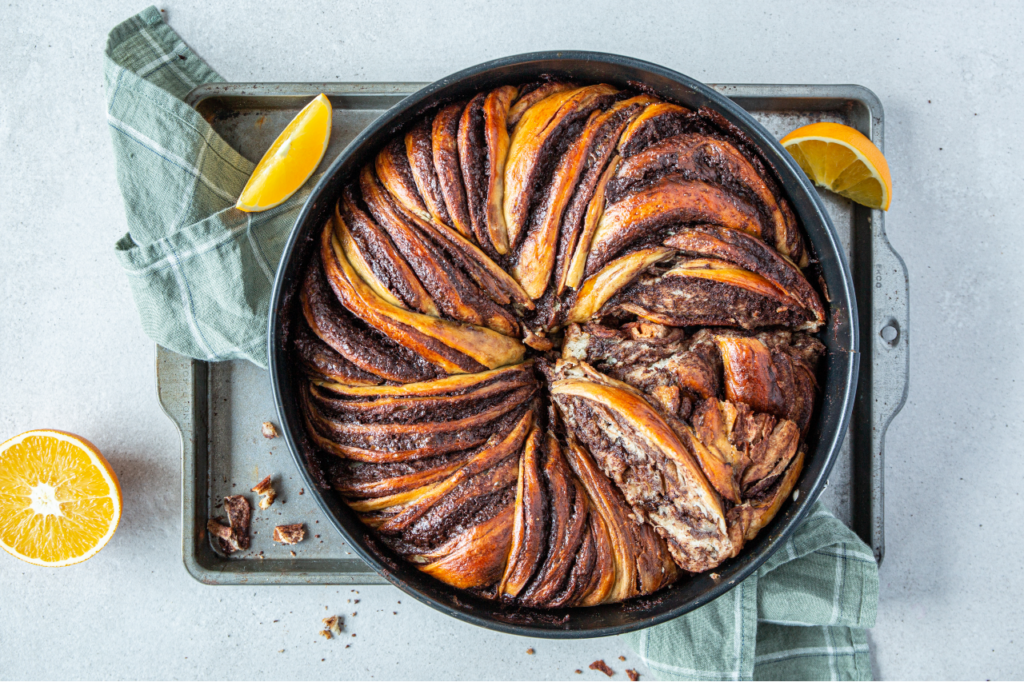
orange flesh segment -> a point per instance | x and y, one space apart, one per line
60 501
292 158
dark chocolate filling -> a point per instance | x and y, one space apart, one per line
695 301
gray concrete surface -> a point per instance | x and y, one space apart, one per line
72 355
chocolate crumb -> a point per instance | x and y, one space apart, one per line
603 667
334 624
266 492
537 340
235 536
302 491
269 430
632 674
219 530
290 534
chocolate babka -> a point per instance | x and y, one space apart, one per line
556 344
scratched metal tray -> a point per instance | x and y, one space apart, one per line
219 407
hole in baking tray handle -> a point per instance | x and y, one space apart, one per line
891 333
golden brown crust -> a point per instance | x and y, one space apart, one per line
737 247
603 573
483 144
636 448
704 158
750 374
602 285
453 347
791 243
390 485
454 294
656 122
496 108
533 138
402 442
533 96
395 174
335 327
600 140
473 159
485 463
382 265
721 461
464 253
568 525
420 152
444 139
381 407
669 201
528 540
772 372
552 233
536 259
595 209
709 292
475 558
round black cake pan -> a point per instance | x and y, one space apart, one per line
840 337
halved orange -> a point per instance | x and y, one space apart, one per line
60 500
842 159
292 158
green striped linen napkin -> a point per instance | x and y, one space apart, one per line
201 273
802 616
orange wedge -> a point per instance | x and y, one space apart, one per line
59 499
843 160
290 161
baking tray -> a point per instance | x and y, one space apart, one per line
218 407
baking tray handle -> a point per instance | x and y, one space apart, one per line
890 361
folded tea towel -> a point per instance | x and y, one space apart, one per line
200 271
201 274
802 616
